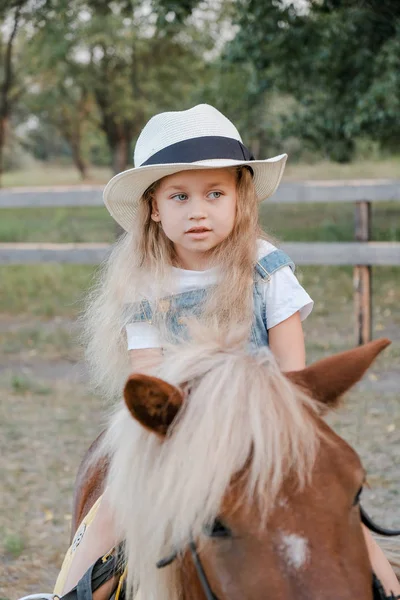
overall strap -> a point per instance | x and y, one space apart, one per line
267 265
102 570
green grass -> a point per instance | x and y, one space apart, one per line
20 384
45 174
46 290
14 545
56 225
360 169
308 222
328 222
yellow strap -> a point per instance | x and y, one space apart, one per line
121 581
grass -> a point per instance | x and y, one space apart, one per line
328 222
45 174
56 225
46 290
359 169
20 384
317 222
14 545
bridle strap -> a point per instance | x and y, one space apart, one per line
209 594
368 522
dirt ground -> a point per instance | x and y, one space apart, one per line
48 417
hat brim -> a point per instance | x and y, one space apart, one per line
123 192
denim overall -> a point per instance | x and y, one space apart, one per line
187 304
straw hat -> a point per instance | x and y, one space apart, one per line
198 138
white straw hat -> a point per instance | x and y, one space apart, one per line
198 138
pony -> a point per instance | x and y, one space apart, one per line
222 470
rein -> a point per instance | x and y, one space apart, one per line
378 591
368 522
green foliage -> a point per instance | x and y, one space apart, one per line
110 67
93 72
235 90
340 61
378 109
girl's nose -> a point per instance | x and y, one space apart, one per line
197 210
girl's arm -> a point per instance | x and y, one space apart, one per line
145 359
99 537
286 341
381 566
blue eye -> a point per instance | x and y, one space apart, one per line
218 195
180 197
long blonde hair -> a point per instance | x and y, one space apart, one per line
140 266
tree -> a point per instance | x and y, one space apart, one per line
19 19
60 97
330 58
8 88
131 61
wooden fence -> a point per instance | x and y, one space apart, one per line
362 253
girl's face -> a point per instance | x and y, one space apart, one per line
197 212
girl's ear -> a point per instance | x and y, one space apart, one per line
155 215
153 402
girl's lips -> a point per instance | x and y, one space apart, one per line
197 230
198 233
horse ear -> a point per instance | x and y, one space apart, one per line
153 402
328 379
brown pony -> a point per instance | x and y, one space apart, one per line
230 474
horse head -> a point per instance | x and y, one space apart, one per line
237 478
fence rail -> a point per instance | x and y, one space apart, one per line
362 254
302 253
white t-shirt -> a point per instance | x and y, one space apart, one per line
283 296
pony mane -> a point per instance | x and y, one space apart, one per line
241 413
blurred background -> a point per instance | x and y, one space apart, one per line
319 80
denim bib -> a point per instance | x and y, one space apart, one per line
186 304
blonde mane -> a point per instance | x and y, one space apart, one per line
240 407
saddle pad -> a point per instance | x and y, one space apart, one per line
62 576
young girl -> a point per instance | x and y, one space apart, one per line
193 247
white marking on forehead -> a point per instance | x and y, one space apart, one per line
294 549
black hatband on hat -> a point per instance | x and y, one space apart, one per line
200 148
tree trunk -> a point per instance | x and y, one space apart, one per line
3 125
7 83
78 159
120 153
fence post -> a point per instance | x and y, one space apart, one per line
362 276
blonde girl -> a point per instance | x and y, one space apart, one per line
192 247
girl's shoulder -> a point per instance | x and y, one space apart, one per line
264 248
271 259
